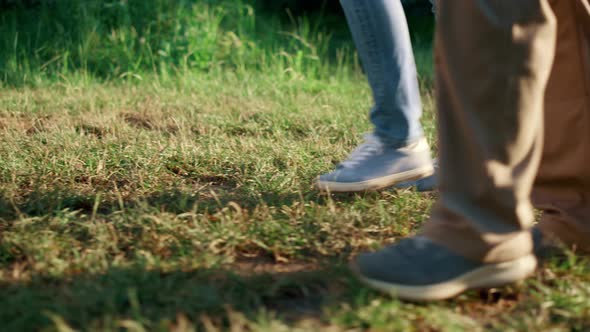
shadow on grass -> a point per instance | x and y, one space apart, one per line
156 297
223 297
211 199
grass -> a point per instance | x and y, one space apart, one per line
150 191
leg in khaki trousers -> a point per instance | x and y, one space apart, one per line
491 125
562 188
513 86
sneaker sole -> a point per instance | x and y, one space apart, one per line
488 276
377 183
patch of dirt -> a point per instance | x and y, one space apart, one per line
29 124
250 267
221 181
41 124
493 302
138 120
296 289
149 122
91 130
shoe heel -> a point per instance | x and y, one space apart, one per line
506 273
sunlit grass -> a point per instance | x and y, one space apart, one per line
174 191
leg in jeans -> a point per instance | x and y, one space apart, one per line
382 39
397 151
494 60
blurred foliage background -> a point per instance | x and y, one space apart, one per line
47 40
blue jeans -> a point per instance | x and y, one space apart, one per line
380 32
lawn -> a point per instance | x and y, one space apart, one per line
156 170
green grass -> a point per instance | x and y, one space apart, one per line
113 40
146 190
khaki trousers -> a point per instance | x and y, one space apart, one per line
513 84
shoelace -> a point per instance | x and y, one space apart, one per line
371 146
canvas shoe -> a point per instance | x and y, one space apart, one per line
428 183
418 269
373 166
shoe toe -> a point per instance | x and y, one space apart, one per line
328 177
378 265
340 176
